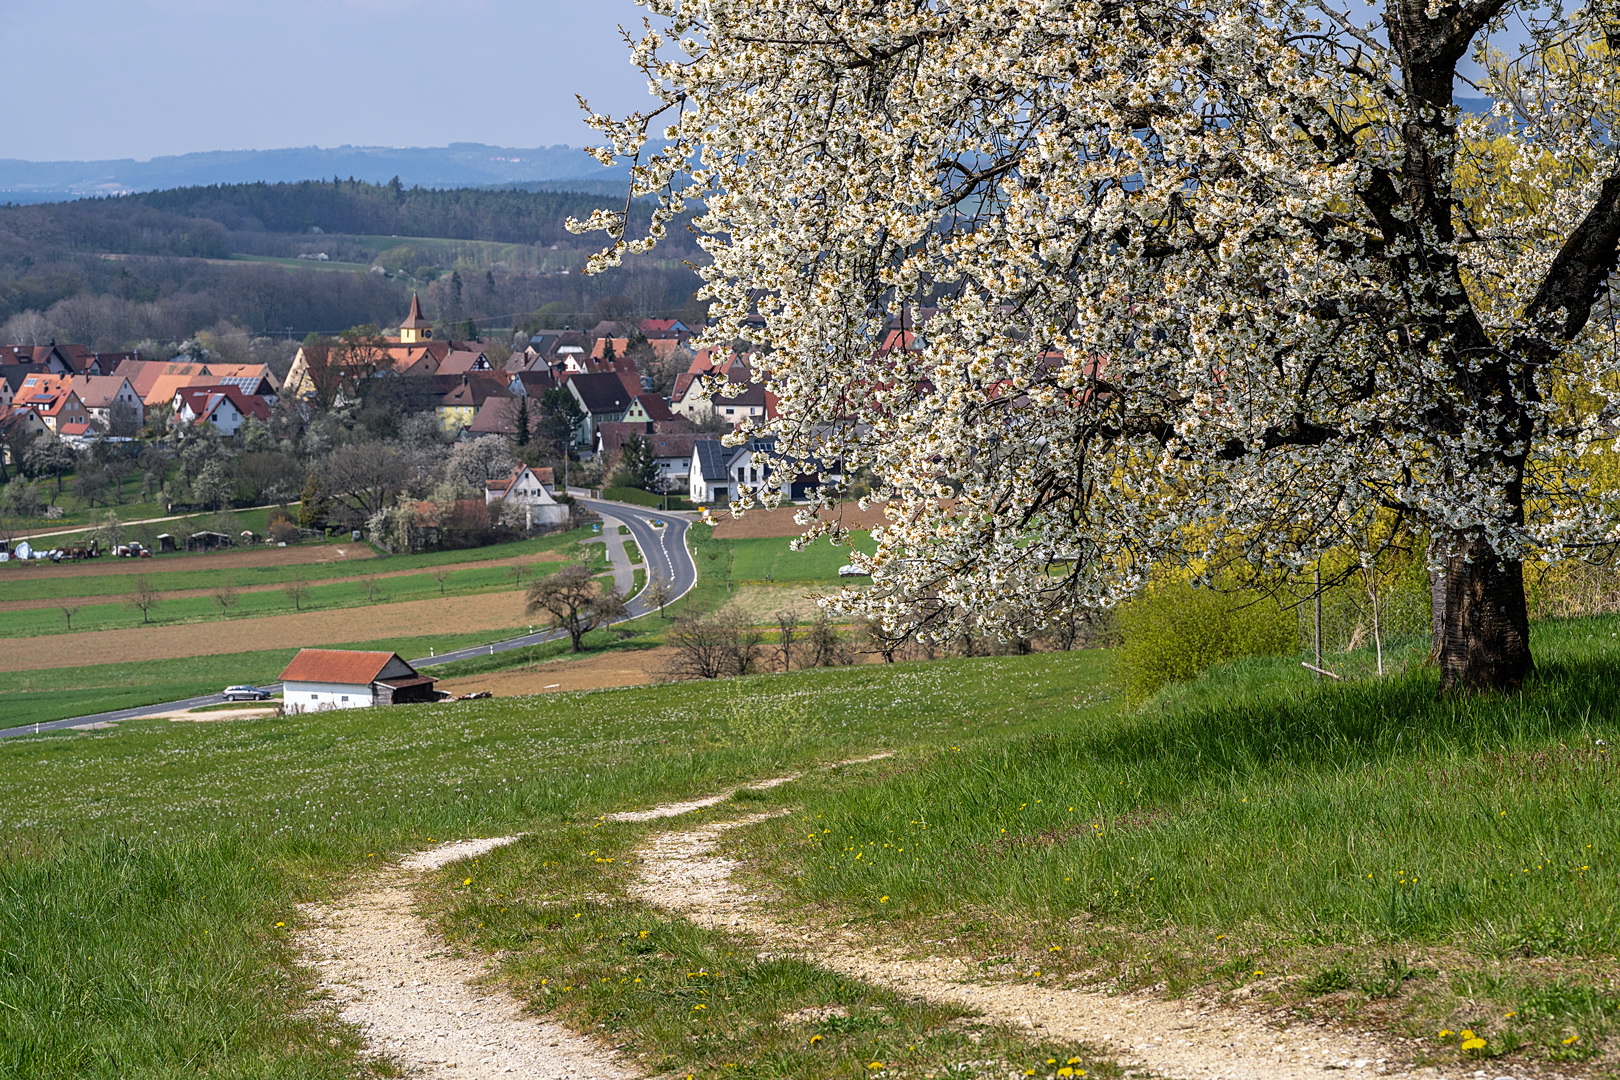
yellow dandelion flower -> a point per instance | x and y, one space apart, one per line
1474 1044
1065 1071
1467 1033
875 1065
1445 1033
814 1039
1072 1061
1572 1040
281 924
883 899
468 881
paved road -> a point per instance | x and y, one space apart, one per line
663 547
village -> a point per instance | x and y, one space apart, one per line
579 406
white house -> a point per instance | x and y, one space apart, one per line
321 679
721 473
103 395
530 489
221 407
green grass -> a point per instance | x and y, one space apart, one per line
145 869
684 1000
1255 821
771 559
168 572
1218 839
255 520
301 264
35 622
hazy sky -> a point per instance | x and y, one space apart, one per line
142 78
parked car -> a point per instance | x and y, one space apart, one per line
245 693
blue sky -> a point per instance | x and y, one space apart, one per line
142 78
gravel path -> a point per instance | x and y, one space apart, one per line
683 872
417 1003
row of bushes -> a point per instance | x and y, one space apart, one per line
637 497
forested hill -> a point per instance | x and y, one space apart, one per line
316 255
217 220
508 216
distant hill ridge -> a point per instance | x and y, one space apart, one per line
456 165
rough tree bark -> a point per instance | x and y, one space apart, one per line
1484 642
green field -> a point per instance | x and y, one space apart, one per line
771 559
1217 840
167 572
300 264
483 254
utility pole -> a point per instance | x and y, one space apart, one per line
1318 634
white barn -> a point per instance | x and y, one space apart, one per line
322 679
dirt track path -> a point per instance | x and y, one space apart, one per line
684 873
417 1003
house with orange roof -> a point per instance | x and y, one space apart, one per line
319 680
58 406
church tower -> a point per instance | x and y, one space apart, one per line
415 329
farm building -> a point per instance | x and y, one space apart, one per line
320 679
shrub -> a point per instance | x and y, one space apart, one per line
1174 632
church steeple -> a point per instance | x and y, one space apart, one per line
415 328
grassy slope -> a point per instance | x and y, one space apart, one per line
157 860
1324 845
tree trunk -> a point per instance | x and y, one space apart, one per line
1484 640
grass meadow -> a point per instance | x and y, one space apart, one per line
1366 848
144 870
1361 850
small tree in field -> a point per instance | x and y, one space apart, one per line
572 600
144 597
68 611
225 596
296 591
657 592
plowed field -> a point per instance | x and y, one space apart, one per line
622 668
452 615
779 522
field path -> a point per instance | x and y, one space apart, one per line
390 976
684 873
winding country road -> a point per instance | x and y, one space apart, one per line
663 548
